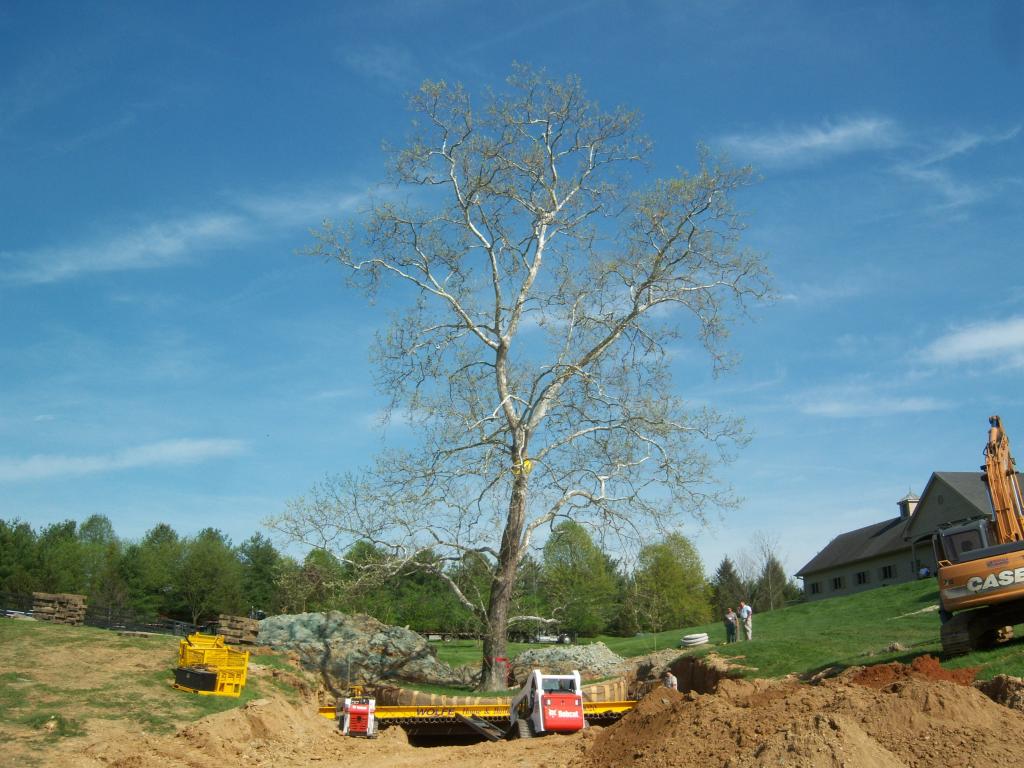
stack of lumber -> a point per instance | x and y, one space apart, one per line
60 608
238 630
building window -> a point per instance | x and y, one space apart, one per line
815 587
862 577
888 571
837 583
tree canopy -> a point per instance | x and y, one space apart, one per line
580 584
544 289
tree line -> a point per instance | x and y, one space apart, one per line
570 585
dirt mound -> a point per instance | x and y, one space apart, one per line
915 718
264 729
913 721
924 667
1004 689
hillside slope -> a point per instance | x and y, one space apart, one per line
893 623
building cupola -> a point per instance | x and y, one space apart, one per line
907 505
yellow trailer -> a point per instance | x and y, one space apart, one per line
431 718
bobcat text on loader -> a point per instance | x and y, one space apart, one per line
981 561
545 704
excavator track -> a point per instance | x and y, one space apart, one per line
956 636
981 628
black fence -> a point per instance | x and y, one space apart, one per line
15 605
107 617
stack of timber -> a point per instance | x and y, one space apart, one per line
59 608
238 630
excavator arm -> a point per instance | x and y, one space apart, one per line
1003 486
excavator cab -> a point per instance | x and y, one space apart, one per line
961 542
970 541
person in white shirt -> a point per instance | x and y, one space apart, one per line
745 613
669 680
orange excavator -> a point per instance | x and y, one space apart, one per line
981 561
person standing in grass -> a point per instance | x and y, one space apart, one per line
746 612
730 626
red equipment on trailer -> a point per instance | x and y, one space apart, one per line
358 719
548 704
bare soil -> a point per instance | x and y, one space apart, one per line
885 716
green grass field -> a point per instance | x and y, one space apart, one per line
808 637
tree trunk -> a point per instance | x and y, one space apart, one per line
495 661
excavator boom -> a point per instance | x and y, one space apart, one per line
1003 486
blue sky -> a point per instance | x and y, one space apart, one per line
165 354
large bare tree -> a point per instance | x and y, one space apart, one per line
542 297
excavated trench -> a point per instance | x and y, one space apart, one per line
697 675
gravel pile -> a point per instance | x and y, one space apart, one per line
593 661
357 649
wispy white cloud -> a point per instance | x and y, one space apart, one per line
998 341
166 452
953 192
965 143
806 144
382 62
307 208
334 394
846 287
172 241
849 408
45 79
154 245
864 398
97 133
381 419
931 170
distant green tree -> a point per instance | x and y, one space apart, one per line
473 576
110 590
17 557
727 587
579 580
150 569
290 586
58 564
421 599
770 588
100 553
209 579
529 598
794 592
669 586
324 579
259 560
